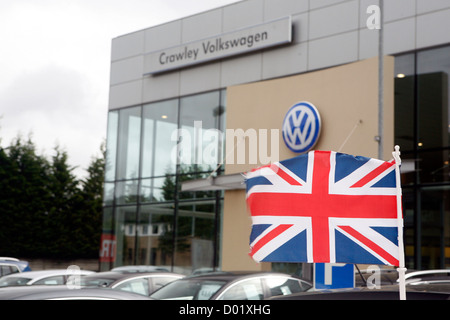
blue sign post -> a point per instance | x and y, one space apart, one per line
334 276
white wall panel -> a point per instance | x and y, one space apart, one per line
127 70
424 6
339 49
333 20
127 46
433 29
126 94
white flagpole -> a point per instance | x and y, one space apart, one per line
401 269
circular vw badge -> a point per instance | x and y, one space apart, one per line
301 127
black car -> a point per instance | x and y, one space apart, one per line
364 293
232 286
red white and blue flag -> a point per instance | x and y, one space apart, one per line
324 207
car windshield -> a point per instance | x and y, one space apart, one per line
14 281
189 289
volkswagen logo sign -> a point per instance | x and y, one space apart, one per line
301 127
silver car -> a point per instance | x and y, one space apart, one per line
232 286
42 277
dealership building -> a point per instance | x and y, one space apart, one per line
196 102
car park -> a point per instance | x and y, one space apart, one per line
140 283
232 286
42 277
64 293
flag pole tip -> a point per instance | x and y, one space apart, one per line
396 154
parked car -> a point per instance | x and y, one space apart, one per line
140 283
12 265
64 293
385 277
427 275
231 286
141 268
364 293
8 268
42 277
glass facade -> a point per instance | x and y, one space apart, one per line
151 150
422 127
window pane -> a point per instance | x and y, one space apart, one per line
126 192
111 146
201 138
409 231
435 219
195 235
157 189
129 141
433 110
125 240
433 67
155 244
433 166
159 138
108 193
404 101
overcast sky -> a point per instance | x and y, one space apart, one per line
55 64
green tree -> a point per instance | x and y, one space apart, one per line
88 239
45 211
62 207
24 197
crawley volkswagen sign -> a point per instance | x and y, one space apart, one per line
242 41
301 127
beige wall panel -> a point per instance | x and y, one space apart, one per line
347 100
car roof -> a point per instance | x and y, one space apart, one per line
233 275
8 259
63 292
390 292
123 275
140 269
428 273
45 273
22 265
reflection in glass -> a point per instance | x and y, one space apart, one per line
129 143
422 126
435 227
125 232
155 233
126 191
111 146
155 190
108 193
195 235
159 138
404 102
200 117
143 182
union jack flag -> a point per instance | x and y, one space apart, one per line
324 207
